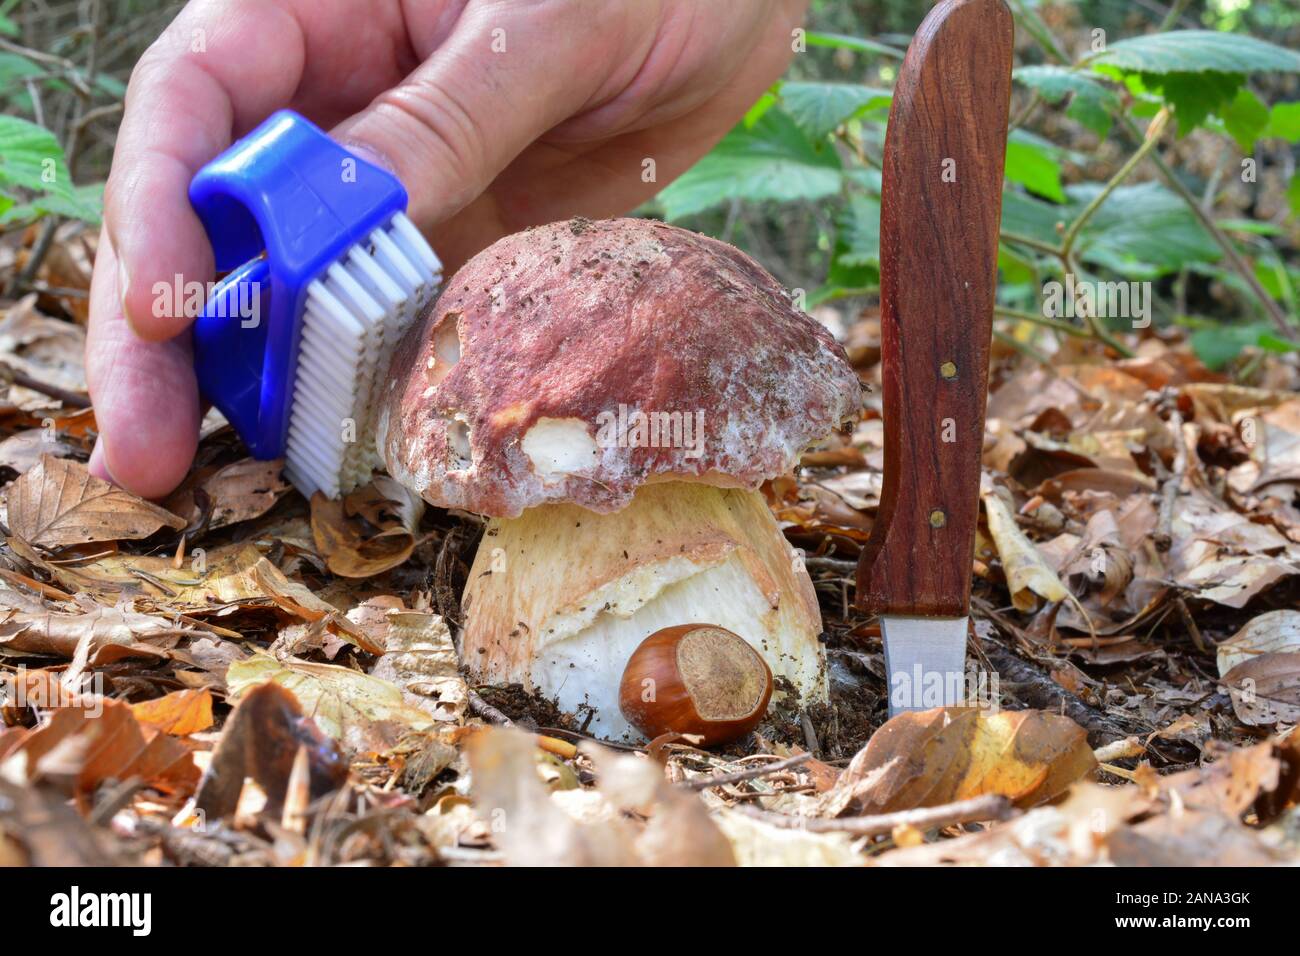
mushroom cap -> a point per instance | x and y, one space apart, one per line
579 360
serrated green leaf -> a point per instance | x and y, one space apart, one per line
773 160
1283 123
31 158
1142 231
1245 119
820 107
1194 96
1197 51
1034 168
859 232
85 203
1092 104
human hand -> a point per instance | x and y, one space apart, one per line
495 114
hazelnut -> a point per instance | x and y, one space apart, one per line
695 679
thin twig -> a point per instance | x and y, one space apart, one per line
988 807
482 708
1036 319
753 773
1169 493
69 399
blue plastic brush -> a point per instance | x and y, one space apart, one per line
327 273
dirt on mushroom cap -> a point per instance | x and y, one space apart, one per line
583 322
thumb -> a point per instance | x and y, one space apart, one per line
486 94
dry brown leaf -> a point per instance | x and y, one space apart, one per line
1266 689
59 503
81 747
366 713
373 530
1269 633
421 659
239 491
938 756
1027 573
678 830
22 450
527 826
101 634
261 741
179 713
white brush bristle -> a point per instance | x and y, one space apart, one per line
355 313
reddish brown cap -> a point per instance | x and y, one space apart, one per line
579 360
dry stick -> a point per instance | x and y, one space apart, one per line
988 807
70 399
485 710
1164 537
718 779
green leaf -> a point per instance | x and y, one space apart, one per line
85 203
820 107
1194 96
859 233
1197 51
1293 194
857 44
1093 104
773 160
1245 119
1034 168
30 157
755 112
1032 218
1217 345
1283 123
1142 231
1251 227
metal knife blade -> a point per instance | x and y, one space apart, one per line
939 223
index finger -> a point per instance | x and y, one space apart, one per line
220 67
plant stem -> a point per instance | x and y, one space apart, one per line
1153 134
1172 16
1039 31
1031 243
1024 348
1234 257
1044 321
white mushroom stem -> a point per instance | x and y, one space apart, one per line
560 597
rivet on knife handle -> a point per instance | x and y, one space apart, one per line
941 209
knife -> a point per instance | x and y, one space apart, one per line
941 210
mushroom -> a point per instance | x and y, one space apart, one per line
611 395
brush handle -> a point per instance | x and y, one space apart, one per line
941 209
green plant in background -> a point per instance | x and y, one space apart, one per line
34 177
61 96
817 144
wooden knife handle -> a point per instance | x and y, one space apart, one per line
941 209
